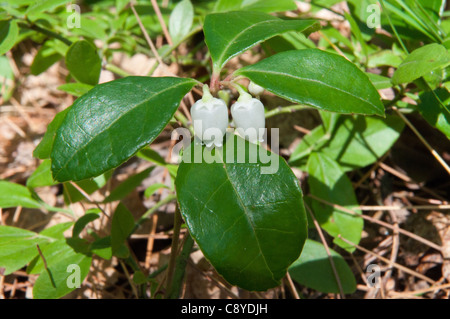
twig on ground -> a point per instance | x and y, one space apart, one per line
387 261
423 140
161 21
373 220
324 242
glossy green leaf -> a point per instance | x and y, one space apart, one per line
313 270
83 62
12 195
44 148
181 19
76 89
66 270
121 227
317 78
112 122
9 31
355 142
421 62
228 34
247 217
327 181
124 188
18 247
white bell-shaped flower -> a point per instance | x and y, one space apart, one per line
249 118
210 119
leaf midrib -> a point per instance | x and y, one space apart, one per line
249 221
320 82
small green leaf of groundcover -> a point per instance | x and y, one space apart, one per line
355 142
12 195
433 112
121 227
81 223
44 148
124 188
42 176
45 58
18 247
9 31
180 21
313 270
83 62
111 122
66 271
317 78
228 34
421 62
76 89
328 182
247 217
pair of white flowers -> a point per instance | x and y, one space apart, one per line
210 117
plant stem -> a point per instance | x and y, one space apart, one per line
424 141
174 250
286 109
149 212
49 33
180 268
393 28
116 70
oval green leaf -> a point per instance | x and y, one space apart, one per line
230 33
18 247
112 122
181 19
66 271
355 142
421 62
12 195
249 222
121 227
313 269
83 62
328 182
9 31
317 78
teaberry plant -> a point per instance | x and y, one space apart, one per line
249 219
